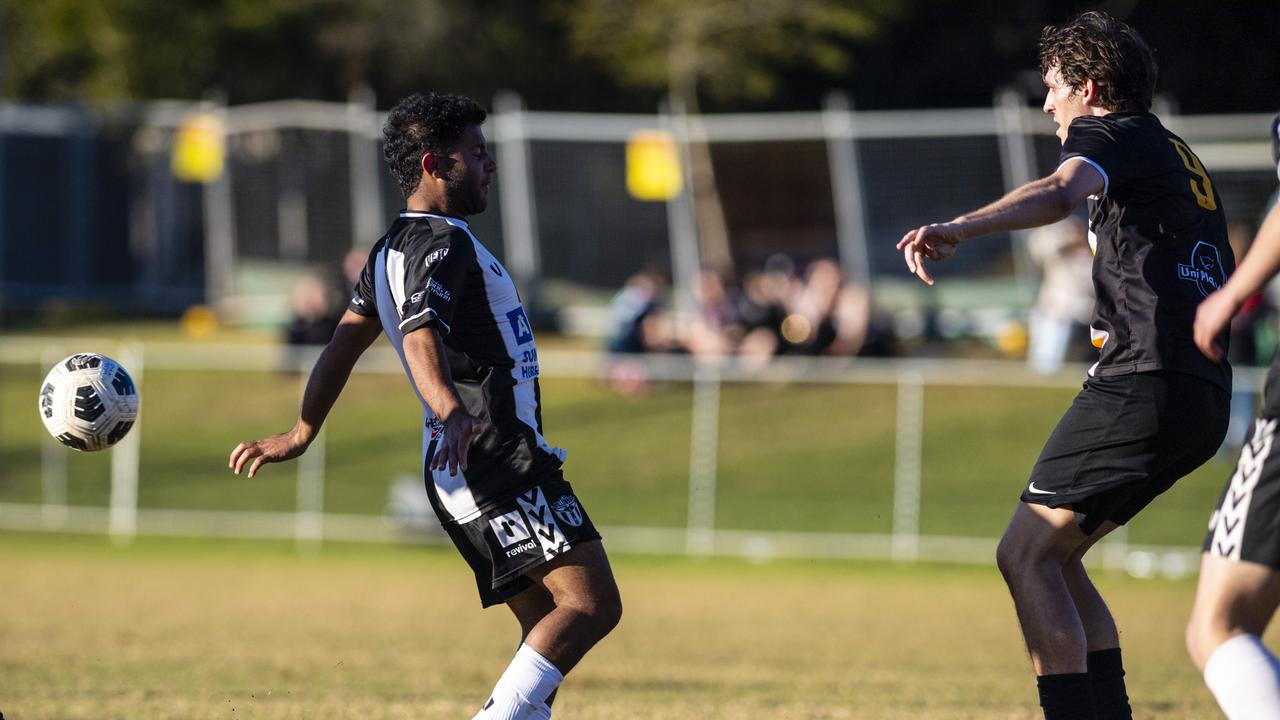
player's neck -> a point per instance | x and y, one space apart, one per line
421 202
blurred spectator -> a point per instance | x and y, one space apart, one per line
1060 319
314 313
317 303
763 307
638 324
637 321
715 330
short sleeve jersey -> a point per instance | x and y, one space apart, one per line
1159 236
430 271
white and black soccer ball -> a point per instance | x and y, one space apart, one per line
88 402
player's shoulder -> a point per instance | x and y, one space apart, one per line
431 233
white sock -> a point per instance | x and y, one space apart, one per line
1245 678
525 686
542 712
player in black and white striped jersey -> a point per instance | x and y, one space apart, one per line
453 315
1239 586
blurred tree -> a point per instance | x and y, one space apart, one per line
728 49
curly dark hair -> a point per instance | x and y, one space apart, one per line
420 124
1096 46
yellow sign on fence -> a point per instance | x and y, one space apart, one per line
653 166
198 149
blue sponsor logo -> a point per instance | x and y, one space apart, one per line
1205 269
520 326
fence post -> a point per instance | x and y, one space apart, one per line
125 460
308 527
846 188
906 467
219 224
1018 164
682 224
704 447
515 182
362 166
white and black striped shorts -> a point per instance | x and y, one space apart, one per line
1246 523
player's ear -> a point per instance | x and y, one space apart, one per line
429 164
1089 92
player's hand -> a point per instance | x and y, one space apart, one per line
935 242
1212 315
461 428
256 453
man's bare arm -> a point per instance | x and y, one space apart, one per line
354 334
1037 203
1260 264
425 354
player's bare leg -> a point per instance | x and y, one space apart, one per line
1099 626
1235 600
587 605
1103 658
1037 544
573 605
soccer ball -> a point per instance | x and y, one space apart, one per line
88 402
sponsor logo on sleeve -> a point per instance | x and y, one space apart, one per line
436 256
416 297
439 290
520 326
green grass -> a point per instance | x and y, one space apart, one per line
791 457
193 630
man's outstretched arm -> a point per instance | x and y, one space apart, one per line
1037 203
1260 264
354 334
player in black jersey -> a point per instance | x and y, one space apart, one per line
453 314
1153 408
1239 585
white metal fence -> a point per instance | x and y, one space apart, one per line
305 182
309 523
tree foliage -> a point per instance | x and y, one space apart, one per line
728 48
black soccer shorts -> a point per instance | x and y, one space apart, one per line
533 528
1246 523
1126 439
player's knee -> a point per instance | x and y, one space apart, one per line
1195 644
1011 558
608 614
605 609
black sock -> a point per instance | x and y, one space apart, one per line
1066 697
1106 675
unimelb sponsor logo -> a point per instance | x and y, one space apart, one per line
1205 269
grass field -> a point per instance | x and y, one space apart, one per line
181 629
791 457
187 629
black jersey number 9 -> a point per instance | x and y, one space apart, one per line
1204 189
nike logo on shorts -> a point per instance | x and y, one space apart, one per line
1037 491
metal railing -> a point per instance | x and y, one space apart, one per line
310 523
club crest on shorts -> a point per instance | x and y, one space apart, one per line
566 508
